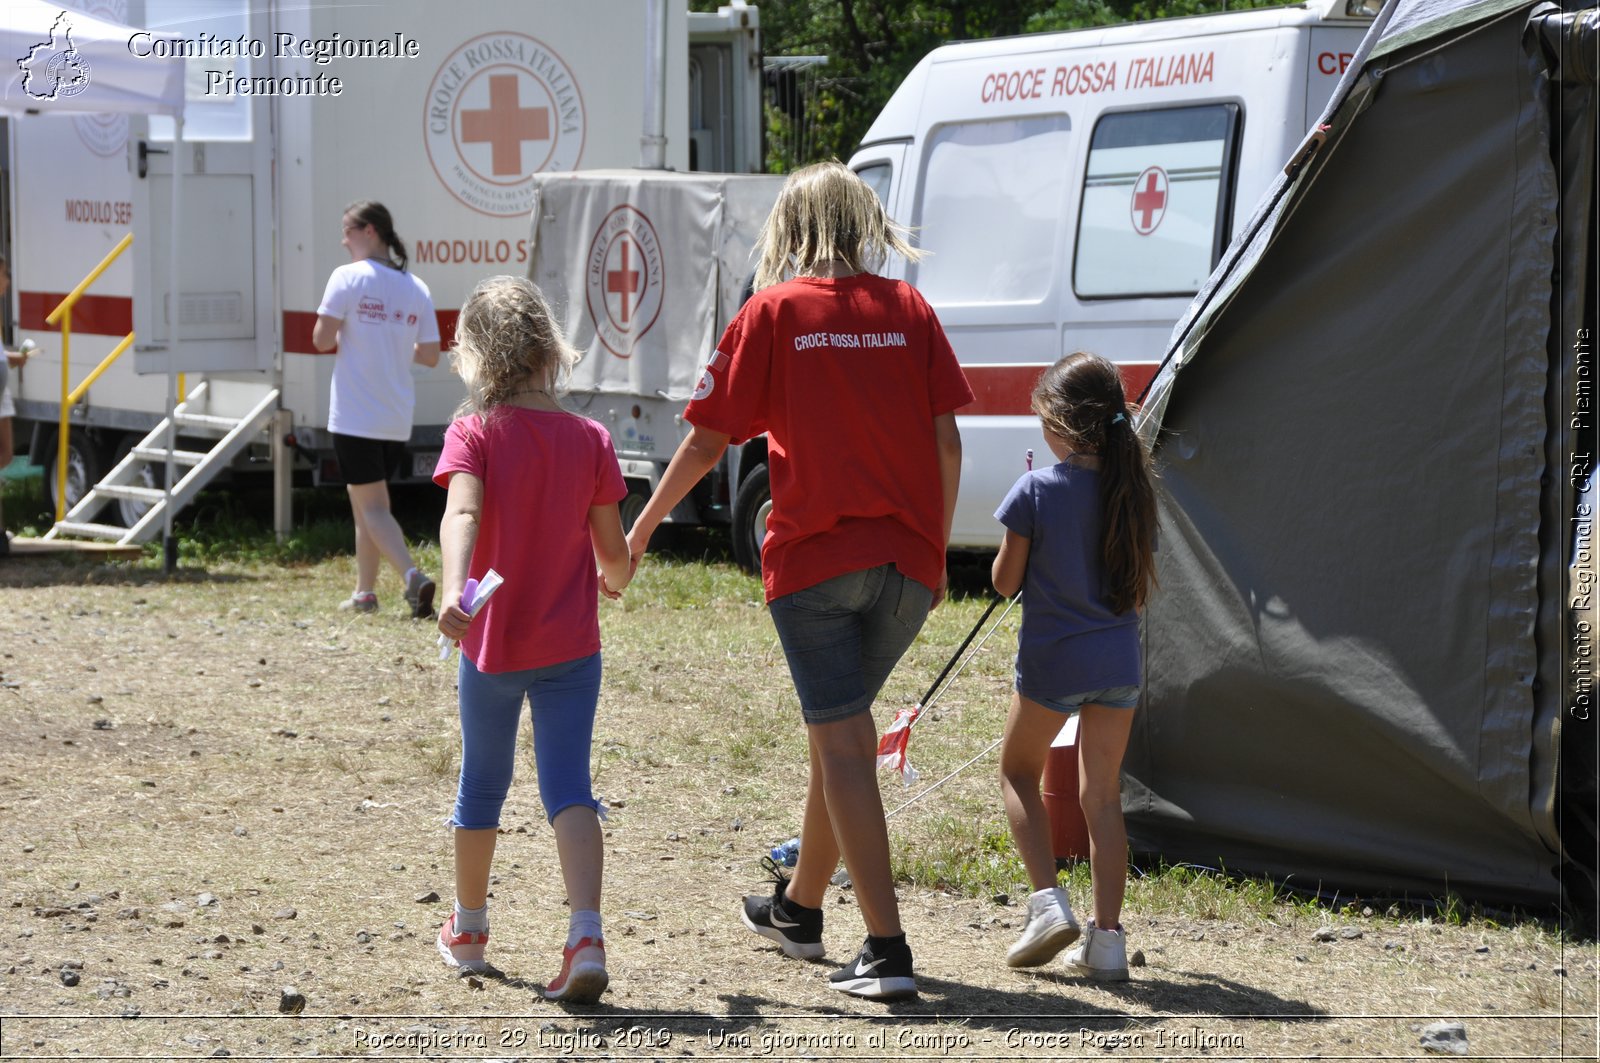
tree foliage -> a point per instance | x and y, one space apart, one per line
821 112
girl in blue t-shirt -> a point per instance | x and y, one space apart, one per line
1080 543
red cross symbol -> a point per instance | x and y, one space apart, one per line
505 125
623 282
1149 201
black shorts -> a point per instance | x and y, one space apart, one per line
367 461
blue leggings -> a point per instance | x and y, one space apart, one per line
563 699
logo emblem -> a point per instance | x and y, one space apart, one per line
1149 204
371 310
54 69
863 968
708 383
706 386
502 107
623 279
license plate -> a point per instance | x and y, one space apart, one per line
423 462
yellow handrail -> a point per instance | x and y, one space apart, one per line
69 396
94 274
83 388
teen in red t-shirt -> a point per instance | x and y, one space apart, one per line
533 495
856 386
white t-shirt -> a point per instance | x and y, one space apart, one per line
385 313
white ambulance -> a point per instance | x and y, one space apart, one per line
443 112
1074 190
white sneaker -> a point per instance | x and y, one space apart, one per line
1101 955
1049 929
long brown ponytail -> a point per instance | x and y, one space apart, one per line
1080 399
370 212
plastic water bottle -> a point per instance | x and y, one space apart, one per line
786 854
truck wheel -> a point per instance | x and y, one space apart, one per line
633 503
84 467
125 511
751 508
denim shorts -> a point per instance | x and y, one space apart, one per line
561 699
842 637
1111 697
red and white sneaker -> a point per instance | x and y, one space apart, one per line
583 973
462 950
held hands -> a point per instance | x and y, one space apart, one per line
638 543
636 550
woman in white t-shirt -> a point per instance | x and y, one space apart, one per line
381 320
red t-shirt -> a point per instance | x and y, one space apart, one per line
541 473
845 376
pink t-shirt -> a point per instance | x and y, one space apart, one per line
541 473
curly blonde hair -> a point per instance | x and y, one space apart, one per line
506 335
826 211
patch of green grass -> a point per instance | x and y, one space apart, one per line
27 511
972 857
1201 893
232 522
665 580
236 525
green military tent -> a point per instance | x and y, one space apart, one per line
1360 663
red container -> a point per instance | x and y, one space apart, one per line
1069 834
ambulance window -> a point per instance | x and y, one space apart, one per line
877 176
990 208
1154 217
217 115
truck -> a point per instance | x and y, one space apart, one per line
445 113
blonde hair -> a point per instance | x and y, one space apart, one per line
505 335
826 211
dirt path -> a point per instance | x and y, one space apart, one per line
217 789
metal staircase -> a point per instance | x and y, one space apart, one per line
122 482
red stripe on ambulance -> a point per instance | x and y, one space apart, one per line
1002 390
93 315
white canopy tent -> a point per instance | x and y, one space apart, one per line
70 62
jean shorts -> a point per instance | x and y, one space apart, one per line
842 637
1111 697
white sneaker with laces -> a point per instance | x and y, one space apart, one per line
1101 955
1049 929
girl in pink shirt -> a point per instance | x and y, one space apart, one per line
533 495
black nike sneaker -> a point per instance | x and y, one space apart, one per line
797 930
882 973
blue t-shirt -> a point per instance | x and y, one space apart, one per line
1071 641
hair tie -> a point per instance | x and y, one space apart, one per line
1119 418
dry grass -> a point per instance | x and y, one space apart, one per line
227 733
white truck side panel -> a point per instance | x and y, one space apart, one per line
544 87
1027 106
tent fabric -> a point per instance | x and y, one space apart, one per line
70 62
1567 43
1349 679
